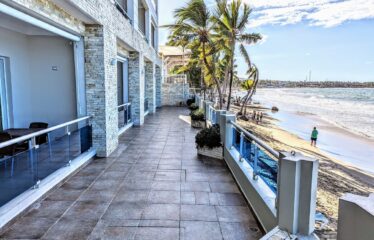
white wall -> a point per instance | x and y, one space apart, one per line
38 92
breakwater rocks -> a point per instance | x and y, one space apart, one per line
306 84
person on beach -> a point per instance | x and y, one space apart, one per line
261 115
254 115
314 137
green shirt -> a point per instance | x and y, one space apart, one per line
314 133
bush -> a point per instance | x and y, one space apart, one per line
190 101
209 137
197 115
193 107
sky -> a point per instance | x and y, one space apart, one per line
331 39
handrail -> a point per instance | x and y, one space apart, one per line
41 132
255 139
123 105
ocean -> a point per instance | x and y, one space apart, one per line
344 118
351 109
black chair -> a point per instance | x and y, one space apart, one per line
9 151
42 138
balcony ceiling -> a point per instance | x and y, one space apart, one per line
74 10
14 24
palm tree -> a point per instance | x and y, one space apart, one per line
193 23
231 20
253 77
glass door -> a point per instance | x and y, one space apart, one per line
6 113
2 79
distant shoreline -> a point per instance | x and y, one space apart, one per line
306 84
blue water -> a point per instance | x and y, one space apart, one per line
344 118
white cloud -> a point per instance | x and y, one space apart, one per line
326 13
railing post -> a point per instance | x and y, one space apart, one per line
356 219
241 147
201 103
207 114
255 162
69 157
297 193
227 127
222 124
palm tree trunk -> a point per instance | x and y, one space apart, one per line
211 70
231 74
244 102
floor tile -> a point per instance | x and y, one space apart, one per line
198 213
200 230
240 231
161 212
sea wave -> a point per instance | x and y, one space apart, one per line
351 109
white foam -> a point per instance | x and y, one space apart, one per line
351 109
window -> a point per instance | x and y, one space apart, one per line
141 17
120 82
123 4
123 8
153 36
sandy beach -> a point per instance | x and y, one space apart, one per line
336 177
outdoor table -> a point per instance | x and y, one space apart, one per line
19 132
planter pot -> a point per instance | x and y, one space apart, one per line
197 124
216 153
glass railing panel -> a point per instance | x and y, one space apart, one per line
124 115
18 173
53 154
146 105
236 139
128 114
263 164
214 117
24 164
121 117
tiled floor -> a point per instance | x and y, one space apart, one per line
153 187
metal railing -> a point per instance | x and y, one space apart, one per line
28 159
32 136
124 115
262 158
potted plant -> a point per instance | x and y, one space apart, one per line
197 118
208 142
193 107
190 101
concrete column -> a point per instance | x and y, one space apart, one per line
101 87
201 103
136 87
150 86
356 217
206 105
226 129
219 114
158 73
297 193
